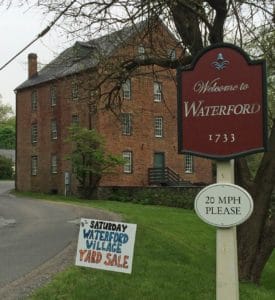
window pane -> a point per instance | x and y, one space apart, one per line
75 120
126 89
34 100
53 95
158 127
34 133
53 129
126 119
54 164
157 92
75 91
128 166
141 52
188 168
34 165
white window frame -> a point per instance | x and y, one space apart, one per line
128 164
188 164
126 120
54 164
34 133
157 91
53 129
34 165
126 89
158 127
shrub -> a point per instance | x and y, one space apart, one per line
6 171
175 197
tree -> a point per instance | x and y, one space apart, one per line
89 159
7 127
6 171
259 180
5 112
197 24
7 137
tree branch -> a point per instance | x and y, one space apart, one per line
216 33
267 166
243 175
187 24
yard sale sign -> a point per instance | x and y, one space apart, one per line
106 245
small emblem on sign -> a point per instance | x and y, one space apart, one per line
220 62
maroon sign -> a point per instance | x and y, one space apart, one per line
222 104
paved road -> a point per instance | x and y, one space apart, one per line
32 232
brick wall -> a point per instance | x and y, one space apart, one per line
142 142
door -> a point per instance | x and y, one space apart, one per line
159 165
159 160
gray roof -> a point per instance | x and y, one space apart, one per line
82 56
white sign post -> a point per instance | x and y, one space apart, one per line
225 205
227 277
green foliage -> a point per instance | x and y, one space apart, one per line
6 171
5 112
89 158
253 162
171 197
7 136
7 127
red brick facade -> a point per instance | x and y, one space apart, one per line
42 122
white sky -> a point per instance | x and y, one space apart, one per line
18 27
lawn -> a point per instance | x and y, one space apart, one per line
174 259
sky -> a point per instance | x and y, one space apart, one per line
18 27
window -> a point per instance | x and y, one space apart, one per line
75 90
34 100
54 164
128 162
75 120
126 120
34 163
188 163
158 126
53 129
126 90
172 54
34 133
53 94
141 52
157 92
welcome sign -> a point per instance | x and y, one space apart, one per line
222 104
106 245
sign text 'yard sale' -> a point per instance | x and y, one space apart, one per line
106 245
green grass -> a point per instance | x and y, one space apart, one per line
174 259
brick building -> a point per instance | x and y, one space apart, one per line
145 133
